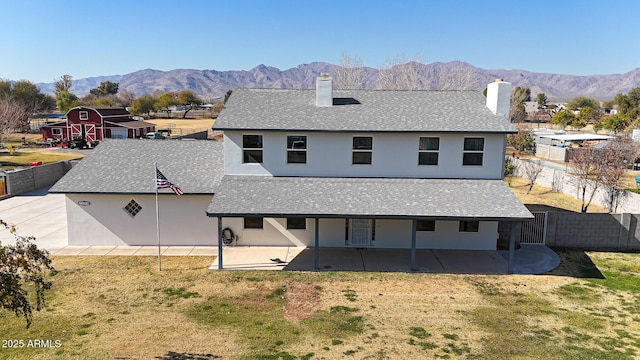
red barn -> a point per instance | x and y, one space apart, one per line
96 123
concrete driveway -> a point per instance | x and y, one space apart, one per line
36 214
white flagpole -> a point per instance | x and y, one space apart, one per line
155 180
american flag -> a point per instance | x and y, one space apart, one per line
163 183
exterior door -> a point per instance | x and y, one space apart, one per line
76 130
360 231
89 132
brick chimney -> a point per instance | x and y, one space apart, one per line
499 97
324 90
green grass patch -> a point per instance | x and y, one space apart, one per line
579 293
350 295
181 292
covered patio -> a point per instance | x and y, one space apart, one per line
408 200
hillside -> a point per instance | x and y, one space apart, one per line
211 84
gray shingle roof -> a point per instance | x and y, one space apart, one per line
365 110
366 197
127 166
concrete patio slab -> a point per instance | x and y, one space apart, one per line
533 259
178 251
256 258
204 251
71 251
97 250
335 259
472 261
124 250
150 251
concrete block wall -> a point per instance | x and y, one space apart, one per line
593 231
561 181
35 177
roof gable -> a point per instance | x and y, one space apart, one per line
104 111
361 111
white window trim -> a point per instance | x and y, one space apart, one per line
484 142
56 131
243 149
429 151
362 151
305 150
83 115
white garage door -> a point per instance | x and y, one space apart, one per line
119 133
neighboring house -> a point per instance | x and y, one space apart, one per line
95 123
361 168
110 194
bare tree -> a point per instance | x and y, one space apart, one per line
350 73
456 77
12 113
599 168
615 157
531 170
401 74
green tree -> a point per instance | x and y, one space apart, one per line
106 88
65 100
166 101
522 140
629 104
578 123
589 114
63 84
616 122
580 102
143 105
23 266
541 99
189 100
563 118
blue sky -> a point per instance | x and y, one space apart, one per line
44 39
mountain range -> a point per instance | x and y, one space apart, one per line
212 84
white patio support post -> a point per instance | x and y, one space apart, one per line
413 244
316 246
219 242
515 232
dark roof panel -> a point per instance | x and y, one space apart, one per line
366 197
127 166
361 110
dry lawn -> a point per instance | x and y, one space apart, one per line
123 308
544 198
182 126
23 156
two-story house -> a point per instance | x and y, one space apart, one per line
361 168
311 168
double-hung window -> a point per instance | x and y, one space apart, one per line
473 151
252 149
362 150
296 149
428 149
